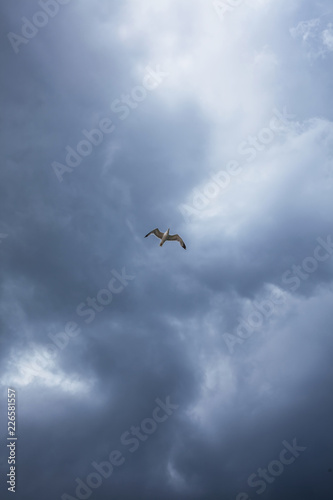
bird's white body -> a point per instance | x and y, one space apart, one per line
164 237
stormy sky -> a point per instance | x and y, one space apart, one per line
143 372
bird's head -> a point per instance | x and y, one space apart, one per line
168 230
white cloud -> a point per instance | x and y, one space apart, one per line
31 368
284 166
316 39
327 36
305 29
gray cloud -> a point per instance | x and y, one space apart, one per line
163 335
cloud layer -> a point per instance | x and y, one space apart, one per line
146 372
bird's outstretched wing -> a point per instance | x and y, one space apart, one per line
176 237
157 233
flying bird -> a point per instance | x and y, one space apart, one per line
166 236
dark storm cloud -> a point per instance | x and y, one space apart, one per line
92 355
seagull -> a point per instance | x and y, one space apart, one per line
166 236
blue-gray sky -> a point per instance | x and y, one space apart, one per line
209 370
